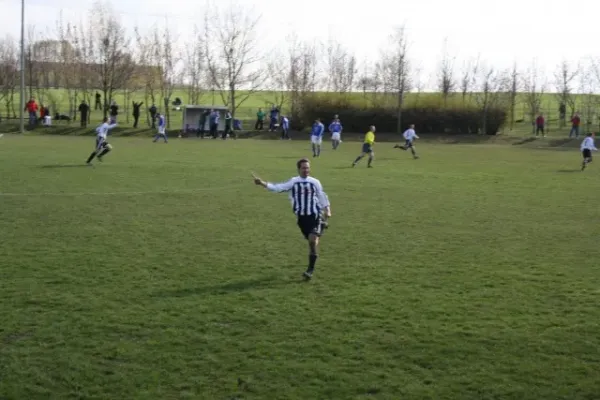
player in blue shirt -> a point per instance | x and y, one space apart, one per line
316 137
162 128
336 133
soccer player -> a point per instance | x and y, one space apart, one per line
285 128
367 147
409 136
162 128
316 137
102 146
336 133
587 146
309 203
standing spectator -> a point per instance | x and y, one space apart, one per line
260 120
540 122
136 113
228 121
202 123
562 113
98 104
285 128
274 116
114 112
575 122
214 123
31 107
83 113
153 110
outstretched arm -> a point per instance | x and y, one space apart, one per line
274 187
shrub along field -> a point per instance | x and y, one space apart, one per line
165 273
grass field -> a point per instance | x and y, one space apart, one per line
164 273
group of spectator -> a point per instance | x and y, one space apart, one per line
540 125
275 121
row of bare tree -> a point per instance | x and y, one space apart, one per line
223 56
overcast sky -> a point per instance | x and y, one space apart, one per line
501 32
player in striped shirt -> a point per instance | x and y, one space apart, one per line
162 128
587 146
409 137
102 146
309 203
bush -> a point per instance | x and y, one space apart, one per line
430 119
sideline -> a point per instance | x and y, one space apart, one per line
135 193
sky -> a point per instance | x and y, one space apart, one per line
499 32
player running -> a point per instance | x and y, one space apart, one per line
162 128
587 146
102 146
336 133
409 137
367 147
316 137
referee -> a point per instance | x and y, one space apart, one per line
310 204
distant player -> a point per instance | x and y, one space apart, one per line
367 147
102 146
310 204
316 137
409 137
587 146
336 133
162 128
285 128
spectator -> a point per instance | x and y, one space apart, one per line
84 109
274 116
31 107
285 128
228 120
114 112
260 120
153 112
98 105
214 123
136 113
540 122
575 122
202 123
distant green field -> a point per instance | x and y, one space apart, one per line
165 273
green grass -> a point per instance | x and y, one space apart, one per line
164 273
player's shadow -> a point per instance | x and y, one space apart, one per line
268 282
62 166
568 170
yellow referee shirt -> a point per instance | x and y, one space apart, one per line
370 138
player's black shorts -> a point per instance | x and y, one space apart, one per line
408 144
367 148
311 224
587 153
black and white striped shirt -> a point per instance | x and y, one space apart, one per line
306 195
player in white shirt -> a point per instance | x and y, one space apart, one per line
409 136
587 146
102 146
162 128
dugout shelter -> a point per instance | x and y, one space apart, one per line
192 114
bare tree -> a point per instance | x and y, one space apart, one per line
194 66
534 86
491 89
151 75
111 51
9 73
468 78
564 79
446 82
587 88
515 85
68 63
232 55
395 71
167 59
341 68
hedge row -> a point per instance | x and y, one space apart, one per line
425 119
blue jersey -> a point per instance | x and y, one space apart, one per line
317 129
335 127
162 122
214 118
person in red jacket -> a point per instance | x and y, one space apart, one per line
540 122
575 122
32 108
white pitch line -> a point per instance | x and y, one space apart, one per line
191 191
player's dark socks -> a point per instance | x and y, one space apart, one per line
312 260
91 157
104 152
369 163
357 160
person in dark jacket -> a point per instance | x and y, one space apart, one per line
153 110
114 112
136 113
84 109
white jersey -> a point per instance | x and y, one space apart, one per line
102 130
588 144
410 134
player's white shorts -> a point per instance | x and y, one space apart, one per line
336 136
161 131
316 139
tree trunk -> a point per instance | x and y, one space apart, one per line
399 112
